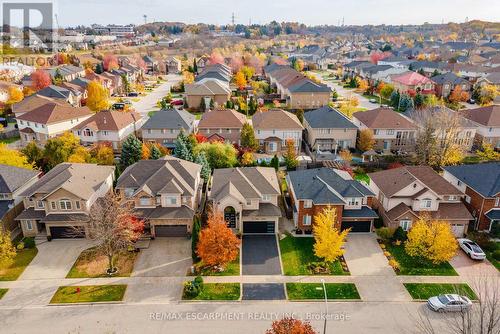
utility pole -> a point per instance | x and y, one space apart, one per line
232 19
343 21
145 18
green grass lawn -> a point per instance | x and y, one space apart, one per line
489 256
197 115
297 253
362 177
3 292
427 290
411 266
21 261
232 269
90 265
89 294
9 140
217 291
298 291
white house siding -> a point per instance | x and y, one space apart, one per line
296 135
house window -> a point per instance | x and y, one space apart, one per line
77 205
29 225
459 183
352 201
467 198
53 205
307 204
452 198
144 200
39 204
79 132
87 133
171 200
149 131
376 131
105 133
249 202
129 192
306 220
405 224
65 204
266 198
426 203
390 131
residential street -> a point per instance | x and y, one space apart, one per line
148 102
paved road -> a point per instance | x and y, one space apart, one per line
148 102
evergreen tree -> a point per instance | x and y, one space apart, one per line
419 101
99 68
248 137
195 237
275 162
405 103
203 105
131 151
183 147
201 159
155 153
395 99
212 103
195 66
300 115
421 71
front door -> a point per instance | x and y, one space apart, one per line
387 144
230 216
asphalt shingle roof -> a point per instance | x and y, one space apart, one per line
328 118
483 178
170 119
12 178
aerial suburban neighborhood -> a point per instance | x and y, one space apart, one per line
280 168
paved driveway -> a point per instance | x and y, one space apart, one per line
465 266
260 255
55 259
164 257
268 291
374 278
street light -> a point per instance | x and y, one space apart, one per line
326 303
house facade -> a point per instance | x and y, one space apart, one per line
222 124
480 185
446 83
173 65
248 198
405 194
274 127
391 130
165 193
487 120
327 129
108 127
413 82
207 94
164 126
60 201
313 190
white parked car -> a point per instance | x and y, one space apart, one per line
449 303
471 249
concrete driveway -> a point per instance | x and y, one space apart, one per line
164 257
374 278
55 259
260 255
465 266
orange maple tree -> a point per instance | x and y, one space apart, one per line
110 62
218 245
40 79
290 326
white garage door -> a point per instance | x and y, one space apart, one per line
458 230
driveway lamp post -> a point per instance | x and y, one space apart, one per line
326 303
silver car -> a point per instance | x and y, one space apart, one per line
449 303
471 249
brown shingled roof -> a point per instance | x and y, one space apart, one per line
222 118
489 116
54 112
110 120
384 118
276 119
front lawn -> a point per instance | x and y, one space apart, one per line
297 254
9 140
217 291
427 290
21 261
299 291
89 265
231 269
3 292
362 177
489 256
412 266
89 294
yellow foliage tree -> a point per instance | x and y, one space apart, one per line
488 94
146 152
15 95
240 80
188 77
487 152
431 240
98 96
347 109
346 155
366 141
362 85
80 155
247 159
103 155
7 250
13 158
328 240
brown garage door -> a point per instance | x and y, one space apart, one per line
171 230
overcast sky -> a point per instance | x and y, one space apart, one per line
311 12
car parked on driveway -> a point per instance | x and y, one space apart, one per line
471 249
449 303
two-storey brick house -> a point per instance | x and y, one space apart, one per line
165 193
61 200
274 127
313 190
222 124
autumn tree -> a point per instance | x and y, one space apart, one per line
187 77
40 79
248 139
348 109
362 85
488 94
131 151
366 140
386 91
290 155
103 155
345 155
488 153
113 228
458 95
240 80
98 96
328 240
110 62
247 159
13 158
290 326
219 154
217 245
80 155
59 149
431 240
216 58
7 250
34 154
15 95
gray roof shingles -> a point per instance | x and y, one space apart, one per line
170 119
483 178
328 118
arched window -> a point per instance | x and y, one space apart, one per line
88 133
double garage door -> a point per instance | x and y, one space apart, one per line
357 226
259 227
171 230
66 232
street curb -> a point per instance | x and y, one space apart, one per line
86 303
322 300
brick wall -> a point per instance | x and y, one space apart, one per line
478 206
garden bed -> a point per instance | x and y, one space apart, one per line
422 291
409 265
301 291
297 254
216 291
89 294
89 265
